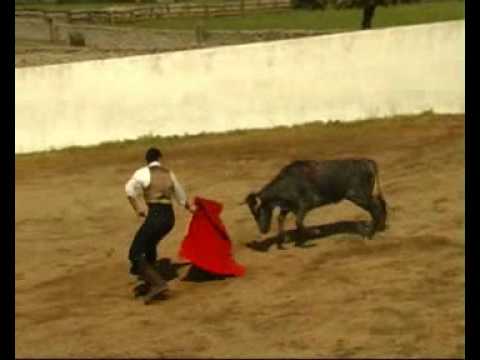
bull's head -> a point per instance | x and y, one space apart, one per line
261 211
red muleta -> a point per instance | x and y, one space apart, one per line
207 244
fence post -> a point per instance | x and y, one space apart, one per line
199 34
242 7
51 30
205 10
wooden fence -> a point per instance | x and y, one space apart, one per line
159 11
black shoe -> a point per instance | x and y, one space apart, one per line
141 289
157 284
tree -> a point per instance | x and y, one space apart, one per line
368 13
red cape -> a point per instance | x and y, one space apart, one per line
207 244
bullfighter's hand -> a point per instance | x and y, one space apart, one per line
192 208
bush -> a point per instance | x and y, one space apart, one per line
76 39
308 4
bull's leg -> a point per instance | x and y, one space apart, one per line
300 218
281 228
373 210
367 203
380 208
376 206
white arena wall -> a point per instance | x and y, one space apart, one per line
347 77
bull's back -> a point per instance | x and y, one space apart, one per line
328 179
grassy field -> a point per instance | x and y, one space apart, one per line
329 19
323 20
96 5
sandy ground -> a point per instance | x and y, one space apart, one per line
400 294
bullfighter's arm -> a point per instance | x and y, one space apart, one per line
180 194
133 188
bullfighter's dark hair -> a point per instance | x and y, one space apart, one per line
152 154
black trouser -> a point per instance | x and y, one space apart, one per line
160 220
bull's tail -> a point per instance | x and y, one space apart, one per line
377 190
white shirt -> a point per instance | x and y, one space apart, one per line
141 180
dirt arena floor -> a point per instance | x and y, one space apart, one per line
400 294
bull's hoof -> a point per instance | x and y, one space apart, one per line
371 232
382 227
304 245
281 247
300 242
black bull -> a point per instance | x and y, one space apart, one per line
305 185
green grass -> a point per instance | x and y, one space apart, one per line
321 20
329 19
169 142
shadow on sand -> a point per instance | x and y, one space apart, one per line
312 233
169 271
195 274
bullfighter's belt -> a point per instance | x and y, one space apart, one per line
160 201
